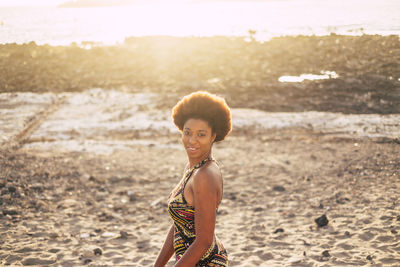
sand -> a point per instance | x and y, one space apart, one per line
80 187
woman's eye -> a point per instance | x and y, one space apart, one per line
201 135
186 133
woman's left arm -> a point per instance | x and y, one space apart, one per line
205 190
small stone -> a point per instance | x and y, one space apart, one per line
87 261
258 209
10 212
322 221
84 235
36 262
108 234
393 231
97 251
279 230
369 257
123 235
279 188
326 254
12 189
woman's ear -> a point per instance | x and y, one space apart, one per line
213 137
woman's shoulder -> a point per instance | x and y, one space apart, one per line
209 174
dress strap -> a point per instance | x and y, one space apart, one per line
189 172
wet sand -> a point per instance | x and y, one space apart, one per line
85 181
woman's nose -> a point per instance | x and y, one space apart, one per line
192 139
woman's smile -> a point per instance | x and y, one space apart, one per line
197 138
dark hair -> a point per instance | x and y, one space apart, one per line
208 107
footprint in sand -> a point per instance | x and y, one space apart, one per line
366 236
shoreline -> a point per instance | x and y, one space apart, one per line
245 73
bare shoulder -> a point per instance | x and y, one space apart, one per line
208 176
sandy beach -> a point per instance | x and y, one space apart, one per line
310 180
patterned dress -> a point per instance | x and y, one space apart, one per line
184 230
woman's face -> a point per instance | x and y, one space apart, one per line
197 138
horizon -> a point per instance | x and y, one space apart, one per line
53 3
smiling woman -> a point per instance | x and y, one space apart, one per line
203 119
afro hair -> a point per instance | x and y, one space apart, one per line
208 107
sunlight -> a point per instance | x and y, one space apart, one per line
298 79
30 2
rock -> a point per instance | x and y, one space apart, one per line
108 234
12 189
123 235
87 261
35 261
84 235
10 212
54 250
369 257
326 254
131 196
279 230
278 188
322 221
97 251
258 209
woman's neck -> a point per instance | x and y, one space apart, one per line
195 161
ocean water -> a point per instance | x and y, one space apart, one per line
266 19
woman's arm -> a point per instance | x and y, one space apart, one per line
167 250
205 191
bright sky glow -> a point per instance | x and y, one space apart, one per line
31 3
267 18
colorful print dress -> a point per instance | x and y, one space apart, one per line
184 230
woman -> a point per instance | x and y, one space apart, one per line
203 119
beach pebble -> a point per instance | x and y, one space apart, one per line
97 251
294 260
10 212
123 235
87 261
325 253
84 235
36 262
12 189
279 188
322 221
54 250
108 234
279 230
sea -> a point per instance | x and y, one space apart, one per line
262 20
